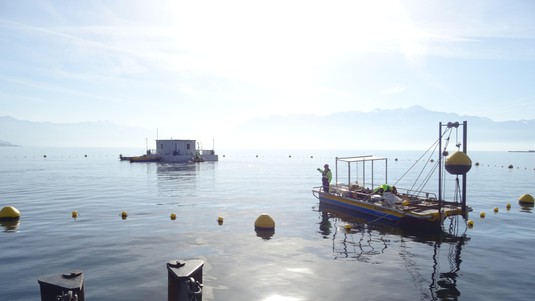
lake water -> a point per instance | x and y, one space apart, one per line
311 256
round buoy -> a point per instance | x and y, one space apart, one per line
220 220
124 214
264 222
482 214
510 166
74 214
508 206
348 227
470 223
9 213
495 209
173 216
458 163
405 203
477 163
526 199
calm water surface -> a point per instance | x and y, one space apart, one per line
310 257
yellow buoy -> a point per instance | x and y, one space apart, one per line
124 214
495 209
264 222
482 214
508 206
220 220
526 199
470 223
458 163
405 203
264 226
74 214
173 216
9 213
348 227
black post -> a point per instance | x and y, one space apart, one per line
184 280
465 149
62 286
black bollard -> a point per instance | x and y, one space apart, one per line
66 287
184 280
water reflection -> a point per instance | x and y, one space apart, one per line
369 242
175 179
10 225
265 234
174 171
526 208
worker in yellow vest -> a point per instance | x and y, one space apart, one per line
382 188
326 177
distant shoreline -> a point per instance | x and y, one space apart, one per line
522 151
2 143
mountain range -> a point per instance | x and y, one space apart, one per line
82 134
414 128
411 128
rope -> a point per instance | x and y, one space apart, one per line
378 219
194 289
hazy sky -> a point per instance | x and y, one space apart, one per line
196 67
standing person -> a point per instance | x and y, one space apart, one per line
326 177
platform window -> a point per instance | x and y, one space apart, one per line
187 145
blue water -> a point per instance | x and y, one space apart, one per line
311 256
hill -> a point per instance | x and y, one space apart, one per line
83 134
414 128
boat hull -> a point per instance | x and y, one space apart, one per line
144 158
378 213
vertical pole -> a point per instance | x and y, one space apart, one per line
349 175
465 149
386 170
440 161
336 171
357 172
364 172
440 154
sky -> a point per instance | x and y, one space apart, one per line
200 68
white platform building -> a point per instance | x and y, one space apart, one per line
174 150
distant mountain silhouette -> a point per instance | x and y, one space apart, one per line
412 128
5 143
83 134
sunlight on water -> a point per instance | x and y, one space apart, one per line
281 298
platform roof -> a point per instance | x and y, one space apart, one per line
359 158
